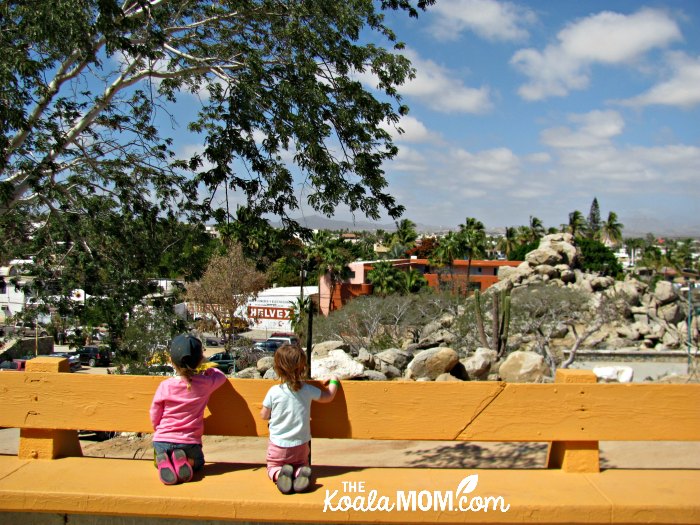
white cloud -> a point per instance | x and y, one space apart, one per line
594 129
490 19
682 89
493 166
604 38
438 88
586 155
539 158
414 131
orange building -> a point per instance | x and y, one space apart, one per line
482 275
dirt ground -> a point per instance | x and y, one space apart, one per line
366 453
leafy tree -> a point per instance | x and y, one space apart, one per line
424 248
228 284
519 253
596 257
331 257
594 225
87 94
146 341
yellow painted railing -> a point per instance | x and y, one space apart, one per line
573 414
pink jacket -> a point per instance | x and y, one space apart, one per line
177 413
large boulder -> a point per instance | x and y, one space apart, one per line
431 363
336 363
523 367
324 348
543 256
271 374
665 293
265 363
671 313
479 365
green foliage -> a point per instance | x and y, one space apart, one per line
146 341
89 179
594 226
519 252
384 278
377 323
596 257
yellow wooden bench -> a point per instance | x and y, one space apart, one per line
49 476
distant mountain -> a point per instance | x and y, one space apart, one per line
634 227
316 222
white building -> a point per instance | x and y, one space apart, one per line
13 299
271 310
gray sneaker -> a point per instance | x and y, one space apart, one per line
303 479
284 479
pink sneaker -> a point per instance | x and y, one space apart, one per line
166 471
183 469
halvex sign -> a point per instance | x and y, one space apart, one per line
268 312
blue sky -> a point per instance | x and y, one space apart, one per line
535 107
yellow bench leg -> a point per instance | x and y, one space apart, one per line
39 443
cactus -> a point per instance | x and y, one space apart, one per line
500 316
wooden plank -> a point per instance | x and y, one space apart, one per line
483 411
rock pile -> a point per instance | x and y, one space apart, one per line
654 319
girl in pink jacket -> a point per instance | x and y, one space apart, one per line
177 411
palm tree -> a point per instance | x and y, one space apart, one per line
405 233
508 242
412 280
448 249
577 223
384 277
536 229
332 257
473 240
611 230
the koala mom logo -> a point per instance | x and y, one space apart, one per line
357 497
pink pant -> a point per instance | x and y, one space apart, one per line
277 457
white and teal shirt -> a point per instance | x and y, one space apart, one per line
290 414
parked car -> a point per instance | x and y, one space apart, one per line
94 355
73 359
16 365
270 345
292 340
211 341
224 361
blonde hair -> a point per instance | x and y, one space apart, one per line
290 365
186 372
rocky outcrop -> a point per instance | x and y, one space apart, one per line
654 318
